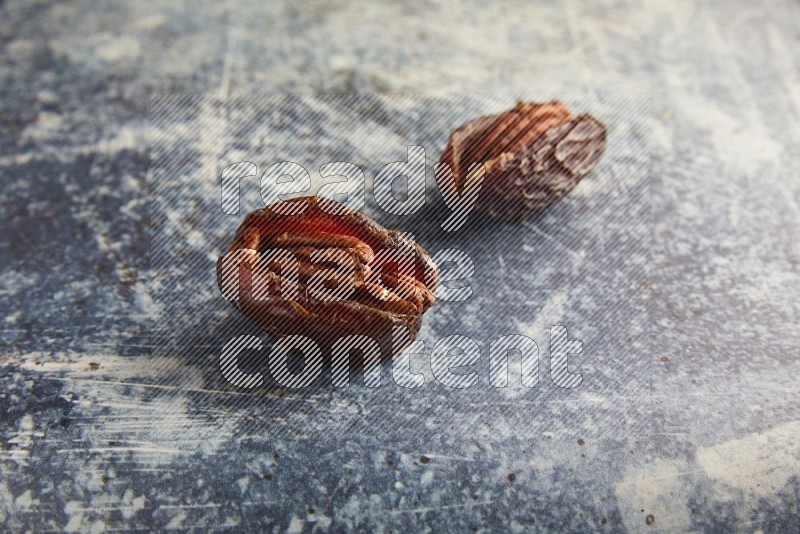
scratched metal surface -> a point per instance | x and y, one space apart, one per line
691 420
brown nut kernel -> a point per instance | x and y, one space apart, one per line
533 155
326 273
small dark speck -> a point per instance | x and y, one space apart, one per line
603 521
114 443
424 459
650 519
511 477
665 359
276 455
389 462
267 476
105 479
63 422
311 511
581 442
94 366
104 267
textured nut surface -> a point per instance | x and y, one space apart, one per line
346 279
533 154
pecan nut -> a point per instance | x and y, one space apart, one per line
326 272
533 155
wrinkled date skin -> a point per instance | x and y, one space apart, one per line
347 274
533 155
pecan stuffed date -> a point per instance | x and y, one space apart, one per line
533 155
326 271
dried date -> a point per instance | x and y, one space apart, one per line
326 272
533 155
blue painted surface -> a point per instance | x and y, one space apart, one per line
688 410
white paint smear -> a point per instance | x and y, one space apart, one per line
757 465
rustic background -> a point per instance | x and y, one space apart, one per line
688 424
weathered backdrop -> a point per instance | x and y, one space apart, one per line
686 420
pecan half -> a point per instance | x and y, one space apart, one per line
533 155
326 272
